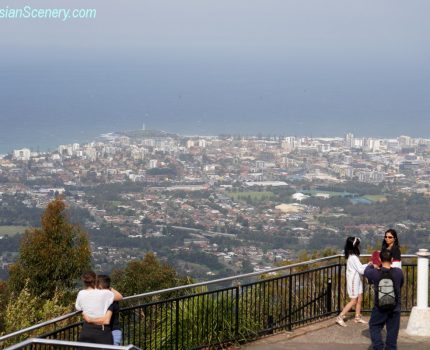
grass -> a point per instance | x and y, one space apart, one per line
12 230
375 198
253 196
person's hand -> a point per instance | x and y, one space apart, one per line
86 318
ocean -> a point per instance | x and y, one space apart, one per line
46 104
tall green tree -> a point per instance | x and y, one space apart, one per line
52 257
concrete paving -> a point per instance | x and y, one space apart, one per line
327 335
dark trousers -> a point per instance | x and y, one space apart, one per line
92 333
379 319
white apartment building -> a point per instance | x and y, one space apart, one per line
91 153
349 140
289 144
190 143
372 145
370 176
22 154
405 141
153 163
65 150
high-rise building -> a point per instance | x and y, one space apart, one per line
349 140
153 163
22 154
405 141
289 143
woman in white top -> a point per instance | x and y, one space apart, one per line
354 285
95 303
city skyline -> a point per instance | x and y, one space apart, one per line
348 137
216 67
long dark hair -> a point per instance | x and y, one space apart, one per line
352 245
394 234
89 279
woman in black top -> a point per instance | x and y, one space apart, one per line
391 243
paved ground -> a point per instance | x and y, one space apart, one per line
327 335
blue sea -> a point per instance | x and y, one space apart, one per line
47 103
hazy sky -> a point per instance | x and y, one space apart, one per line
242 62
347 28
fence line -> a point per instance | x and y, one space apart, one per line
243 311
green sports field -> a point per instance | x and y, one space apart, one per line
375 198
254 196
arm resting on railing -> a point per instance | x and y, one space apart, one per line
117 295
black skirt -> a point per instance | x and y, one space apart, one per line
92 333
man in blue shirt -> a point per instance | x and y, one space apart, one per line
389 318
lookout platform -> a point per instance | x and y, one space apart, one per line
327 335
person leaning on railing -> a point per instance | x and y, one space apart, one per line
103 282
94 303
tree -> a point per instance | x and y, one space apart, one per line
25 310
4 296
140 276
52 257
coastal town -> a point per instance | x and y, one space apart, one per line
218 205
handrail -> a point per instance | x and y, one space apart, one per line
188 286
245 275
167 290
69 343
232 278
39 325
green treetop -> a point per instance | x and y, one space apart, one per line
53 256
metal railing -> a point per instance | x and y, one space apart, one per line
49 344
194 317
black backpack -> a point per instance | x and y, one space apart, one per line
386 297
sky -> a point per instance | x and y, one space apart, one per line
207 66
331 27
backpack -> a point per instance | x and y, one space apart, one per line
386 297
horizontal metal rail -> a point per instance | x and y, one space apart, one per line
69 344
39 325
234 278
246 275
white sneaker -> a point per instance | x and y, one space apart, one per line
340 321
358 319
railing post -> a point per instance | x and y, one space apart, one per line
339 286
270 324
423 279
290 302
329 295
177 324
420 314
237 311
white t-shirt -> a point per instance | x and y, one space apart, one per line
94 302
